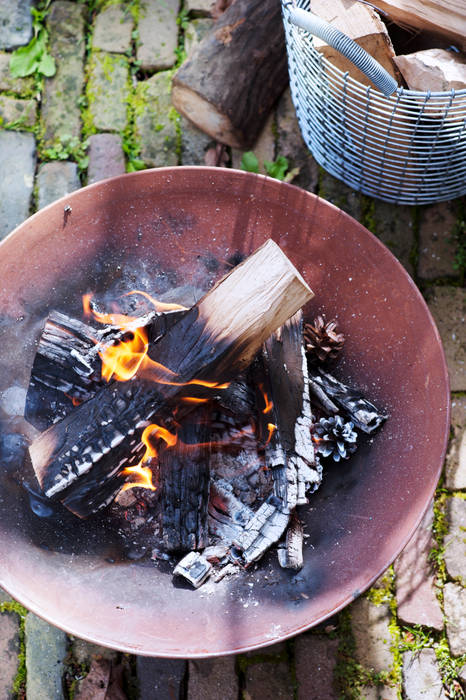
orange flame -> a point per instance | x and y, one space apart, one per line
268 403
142 474
158 305
271 428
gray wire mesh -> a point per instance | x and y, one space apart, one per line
409 148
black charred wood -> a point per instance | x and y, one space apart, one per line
185 484
350 402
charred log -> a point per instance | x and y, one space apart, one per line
265 528
217 339
330 392
185 485
290 554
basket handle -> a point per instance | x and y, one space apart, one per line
346 46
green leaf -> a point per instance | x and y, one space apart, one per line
249 162
46 65
277 168
25 60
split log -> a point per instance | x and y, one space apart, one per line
348 401
290 554
231 82
448 19
362 24
436 70
289 449
185 485
67 366
214 341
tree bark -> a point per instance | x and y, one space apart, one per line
230 84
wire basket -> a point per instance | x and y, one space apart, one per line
398 145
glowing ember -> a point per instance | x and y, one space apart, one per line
271 427
268 403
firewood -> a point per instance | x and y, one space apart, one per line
231 82
289 448
214 341
265 528
436 70
290 554
448 19
362 24
359 410
185 485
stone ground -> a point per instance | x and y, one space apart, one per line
107 110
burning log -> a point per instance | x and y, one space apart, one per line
217 338
289 451
185 484
333 394
67 368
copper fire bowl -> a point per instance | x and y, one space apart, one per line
178 225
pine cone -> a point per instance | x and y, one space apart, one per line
335 438
321 340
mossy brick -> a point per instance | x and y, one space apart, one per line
15 23
394 227
415 583
263 149
112 29
196 30
61 114
455 539
447 305
20 86
156 121
378 692
9 650
370 625
106 157
108 90
339 194
46 649
436 241
290 143
315 662
268 680
18 159
194 143
84 652
158 33
454 602
211 679
455 466
55 180
17 112
421 676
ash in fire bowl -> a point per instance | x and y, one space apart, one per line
194 433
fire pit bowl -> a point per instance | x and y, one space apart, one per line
179 225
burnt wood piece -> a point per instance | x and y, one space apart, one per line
239 70
185 485
289 451
238 399
67 365
194 568
265 528
290 554
215 340
350 402
227 514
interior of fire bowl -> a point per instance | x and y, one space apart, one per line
162 228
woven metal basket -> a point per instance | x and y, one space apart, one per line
398 145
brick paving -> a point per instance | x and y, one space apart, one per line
406 638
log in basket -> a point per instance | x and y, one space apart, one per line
175 225
398 145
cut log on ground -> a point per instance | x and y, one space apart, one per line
213 342
447 19
185 485
362 24
231 82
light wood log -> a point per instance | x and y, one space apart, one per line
447 19
436 70
362 24
215 341
231 82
